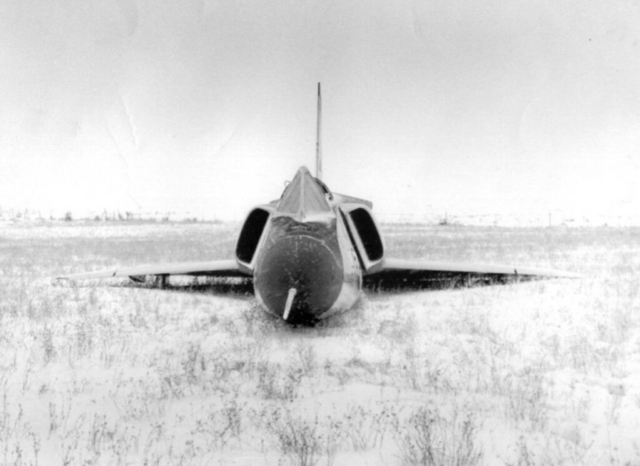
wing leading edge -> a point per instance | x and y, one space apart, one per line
222 268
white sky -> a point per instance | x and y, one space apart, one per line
429 106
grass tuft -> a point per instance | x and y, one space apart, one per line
427 439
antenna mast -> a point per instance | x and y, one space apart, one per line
318 134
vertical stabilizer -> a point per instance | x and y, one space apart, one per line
318 135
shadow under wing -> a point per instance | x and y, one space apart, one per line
419 274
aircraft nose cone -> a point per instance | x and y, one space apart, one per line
304 199
303 264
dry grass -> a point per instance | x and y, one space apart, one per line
539 373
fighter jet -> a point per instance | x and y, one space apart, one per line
309 252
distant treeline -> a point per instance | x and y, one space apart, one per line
104 216
522 219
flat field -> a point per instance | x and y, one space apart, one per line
109 372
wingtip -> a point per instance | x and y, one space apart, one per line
60 280
554 274
89 275
560 274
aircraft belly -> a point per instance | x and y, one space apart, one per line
349 294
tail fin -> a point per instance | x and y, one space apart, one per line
318 134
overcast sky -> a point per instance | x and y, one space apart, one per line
209 106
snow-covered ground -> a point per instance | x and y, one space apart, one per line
537 373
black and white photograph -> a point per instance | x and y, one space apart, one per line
320 233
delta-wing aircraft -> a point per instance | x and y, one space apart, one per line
309 252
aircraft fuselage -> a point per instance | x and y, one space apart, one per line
306 266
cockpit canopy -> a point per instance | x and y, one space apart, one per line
304 197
